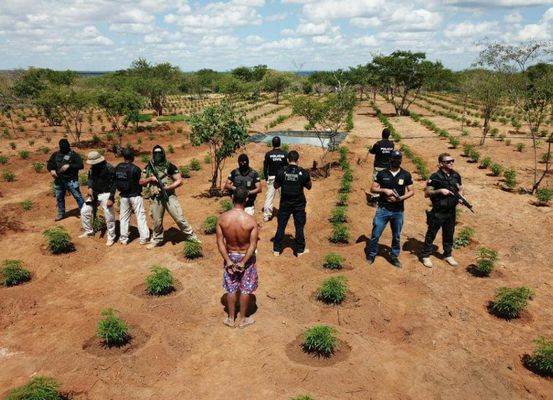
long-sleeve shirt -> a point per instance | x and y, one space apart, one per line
103 180
58 159
275 160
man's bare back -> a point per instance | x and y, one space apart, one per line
236 228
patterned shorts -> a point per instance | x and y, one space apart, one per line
247 281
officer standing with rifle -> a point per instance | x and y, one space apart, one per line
64 166
101 191
292 179
445 191
162 178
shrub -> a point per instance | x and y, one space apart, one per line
342 199
520 147
510 302
454 142
474 155
467 148
99 223
8 176
340 234
39 388
485 262
345 186
320 340
333 290
485 162
13 145
4 160
207 159
112 330
507 142
159 282
541 361
545 157
497 169
210 225
348 176
338 215
333 261
303 397
544 195
13 273
510 178
192 249
184 171
38 167
226 205
195 165
144 158
58 240
27 205
464 237
171 149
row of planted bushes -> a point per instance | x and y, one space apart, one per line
338 215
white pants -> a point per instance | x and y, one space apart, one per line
128 206
250 210
109 215
269 198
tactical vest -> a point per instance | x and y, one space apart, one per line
126 183
166 180
247 181
292 183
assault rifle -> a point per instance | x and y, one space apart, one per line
396 194
164 194
461 199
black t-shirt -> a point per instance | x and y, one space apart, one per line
387 180
440 180
102 180
274 161
382 150
128 178
292 179
58 159
247 180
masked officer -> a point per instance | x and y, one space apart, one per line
64 166
128 183
101 192
171 179
274 161
292 179
440 188
245 177
393 185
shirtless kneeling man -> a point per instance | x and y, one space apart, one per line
237 240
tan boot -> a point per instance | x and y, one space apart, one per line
427 262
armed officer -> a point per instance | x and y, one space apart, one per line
101 192
245 177
393 185
129 185
170 179
64 166
274 161
441 188
292 179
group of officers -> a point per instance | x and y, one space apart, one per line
237 229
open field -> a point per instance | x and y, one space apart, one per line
412 333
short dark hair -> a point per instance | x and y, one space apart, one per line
385 133
240 195
293 156
128 154
442 156
276 141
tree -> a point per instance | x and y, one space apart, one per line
225 131
403 72
277 82
327 117
72 104
121 107
8 100
487 88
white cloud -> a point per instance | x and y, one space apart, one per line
419 19
360 22
219 41
331 9
496 3
469 29
368 41
287 43
131 28
513 18
276 17
254 39
310 28
533 32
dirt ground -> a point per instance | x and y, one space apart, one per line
411 333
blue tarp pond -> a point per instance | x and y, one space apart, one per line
299 137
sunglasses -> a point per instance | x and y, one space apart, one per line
448 161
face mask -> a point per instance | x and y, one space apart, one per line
244 167
158 158
64 148
395 163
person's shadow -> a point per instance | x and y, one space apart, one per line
384 250
252 306
174 236
287 243
415 246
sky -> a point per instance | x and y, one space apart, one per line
291 35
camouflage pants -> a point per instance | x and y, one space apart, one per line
157 210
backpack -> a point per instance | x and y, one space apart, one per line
123 177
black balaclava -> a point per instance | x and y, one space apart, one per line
158 156
243 163
64 146
395 159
